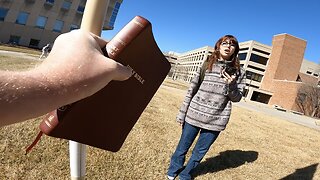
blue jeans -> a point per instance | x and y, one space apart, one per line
204 142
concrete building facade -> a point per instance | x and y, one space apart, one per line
274 73
186 64
35 23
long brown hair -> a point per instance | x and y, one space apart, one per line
216 54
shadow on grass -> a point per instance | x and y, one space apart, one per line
305 173
225 160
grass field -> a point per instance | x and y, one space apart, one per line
15 58
20 49
254 146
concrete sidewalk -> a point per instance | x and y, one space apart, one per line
285 115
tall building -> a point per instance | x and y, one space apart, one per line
34 23
274 73
172 58
186 64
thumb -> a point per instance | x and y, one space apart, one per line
120 72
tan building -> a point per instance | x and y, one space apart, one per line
274 73
187 63
34 23
172 58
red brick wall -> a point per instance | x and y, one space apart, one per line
284 62
285 94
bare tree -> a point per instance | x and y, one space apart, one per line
308 100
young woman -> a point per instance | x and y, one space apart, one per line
207 105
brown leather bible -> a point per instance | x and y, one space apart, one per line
104 119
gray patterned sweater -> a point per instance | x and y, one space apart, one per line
208 105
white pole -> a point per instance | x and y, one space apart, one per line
77 160
92 21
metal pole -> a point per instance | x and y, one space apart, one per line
92 21
247 92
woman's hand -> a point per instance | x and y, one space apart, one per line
229 79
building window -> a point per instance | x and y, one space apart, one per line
30 1
73 26
50 1
41 22
58 25
22 18
14 39
242 56
114 14
258 59
256 68
80 9
260 51
253 76
3 13
243 49
34 43
66 5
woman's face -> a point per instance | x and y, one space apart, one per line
226 49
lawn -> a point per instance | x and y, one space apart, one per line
254 146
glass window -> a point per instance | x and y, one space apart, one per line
114 14
34 43
3 13
242 49
260 51
14 39
41 22
66 5
256 68
258 59
253 76
80 9
73 26
242 56
22 18
50 1
58 25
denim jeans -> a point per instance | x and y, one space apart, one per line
202 146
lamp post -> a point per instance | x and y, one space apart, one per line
92 21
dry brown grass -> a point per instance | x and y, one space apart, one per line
254 146
20 49
14 63
12 59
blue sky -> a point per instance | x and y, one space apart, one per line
183 25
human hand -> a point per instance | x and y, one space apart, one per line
75 69
78 64
181 124
227 77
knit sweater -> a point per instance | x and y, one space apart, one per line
208 104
